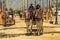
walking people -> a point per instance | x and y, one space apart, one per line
31 8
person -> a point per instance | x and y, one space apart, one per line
37 6
32 12
20 15
31 8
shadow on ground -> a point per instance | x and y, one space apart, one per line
9 35
9 28
3 35
8 25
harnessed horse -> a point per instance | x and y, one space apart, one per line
27 20
5 18
38 18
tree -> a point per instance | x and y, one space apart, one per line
10 9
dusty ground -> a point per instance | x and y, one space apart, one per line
17 32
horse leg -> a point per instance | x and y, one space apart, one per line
41 27
30 26
38 27
28 29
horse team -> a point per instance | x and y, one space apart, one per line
34 18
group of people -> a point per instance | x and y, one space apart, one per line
33 16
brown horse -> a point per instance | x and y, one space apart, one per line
5 17
26 14
38 19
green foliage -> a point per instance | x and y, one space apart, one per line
58 5
58 8
10 9
18 11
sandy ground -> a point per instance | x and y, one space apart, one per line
17 32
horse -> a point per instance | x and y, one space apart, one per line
39 21
5 17
28 22
36 17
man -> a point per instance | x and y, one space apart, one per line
1 17
38 6
31 8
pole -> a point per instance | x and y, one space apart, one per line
56 19
27 4
24 4
35 2
2 5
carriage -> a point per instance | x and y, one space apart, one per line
7 19
35 19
